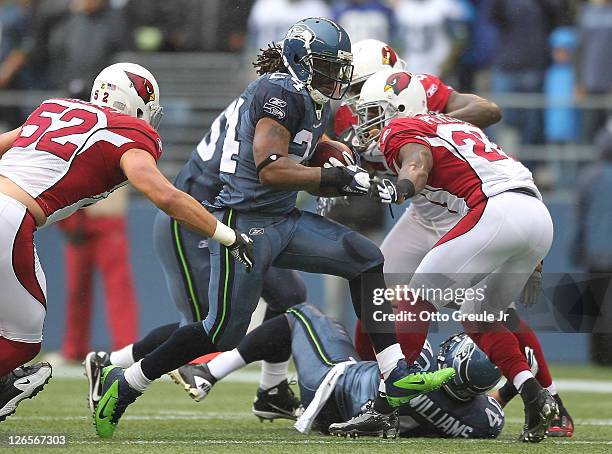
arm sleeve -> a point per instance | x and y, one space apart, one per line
281 105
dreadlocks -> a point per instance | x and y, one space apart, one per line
269 60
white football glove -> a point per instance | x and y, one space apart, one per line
349 160
532 290
360 184
384 190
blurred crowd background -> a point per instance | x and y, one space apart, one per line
547 63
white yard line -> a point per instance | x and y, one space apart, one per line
252 376
204 415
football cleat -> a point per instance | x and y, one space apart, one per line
117 394
562 424
94 363
22 383
196 379
369 423
278 402
407 382
539 415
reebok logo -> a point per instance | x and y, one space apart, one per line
256 231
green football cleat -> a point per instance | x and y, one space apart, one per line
117 394
407 382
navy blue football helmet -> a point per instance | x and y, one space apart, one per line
476 374
317 52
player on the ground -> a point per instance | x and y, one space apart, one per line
425 222
270 129
319 344
504 229
69 154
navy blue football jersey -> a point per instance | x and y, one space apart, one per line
431 415
230 143
220 150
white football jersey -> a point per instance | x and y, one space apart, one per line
67 154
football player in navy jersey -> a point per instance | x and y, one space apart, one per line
269 131
338 390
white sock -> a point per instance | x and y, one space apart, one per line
136 378
381 387
123 357
388 358
272 374
521 378
552 389
225 363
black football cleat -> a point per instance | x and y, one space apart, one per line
539 414
562 425
94 363
196 379
368 423
22 383
278 402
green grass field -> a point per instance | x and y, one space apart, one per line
166 420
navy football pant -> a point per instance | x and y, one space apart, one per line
300 241
185 260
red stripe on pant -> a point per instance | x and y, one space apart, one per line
105 248
467 223
24 264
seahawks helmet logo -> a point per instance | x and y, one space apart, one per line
397 82
143 87
301 32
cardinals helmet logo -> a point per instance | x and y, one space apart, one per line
398 82
389 57
143 87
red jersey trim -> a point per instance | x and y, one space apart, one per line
467 223
24 265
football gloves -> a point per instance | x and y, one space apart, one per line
359 183
348 157
242 250
384 190
532 290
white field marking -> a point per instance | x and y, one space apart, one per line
203 416
77 373
252 376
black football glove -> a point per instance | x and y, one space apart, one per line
383 190
359 183
242 250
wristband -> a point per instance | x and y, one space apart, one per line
224 234
405 188
334 177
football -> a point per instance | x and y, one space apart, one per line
328 149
